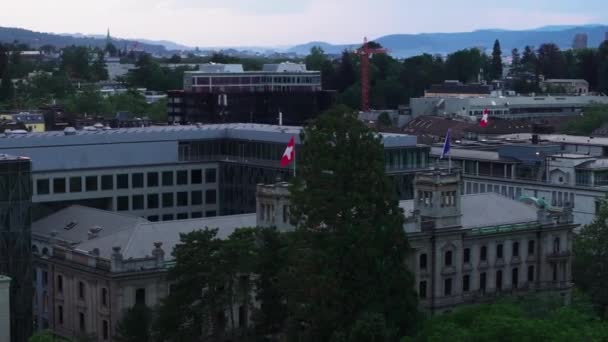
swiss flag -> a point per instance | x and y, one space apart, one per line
290 153
484 118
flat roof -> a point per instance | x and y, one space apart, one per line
470 154
561 138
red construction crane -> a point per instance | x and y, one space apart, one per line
365 52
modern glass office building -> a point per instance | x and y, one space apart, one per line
15 240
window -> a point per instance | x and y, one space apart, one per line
91 183
242 316
59 185
556 245
60 314
168 217
210 197
122 203
285 213
499 280
196 176
499 251
448 258
152 179
447 287
423 261
466 283
196 214
59 283
483 254
182 216
554 272
45 278
140 296
531 247
531 273
515 248
81 290
107 182
167 178
182 199
515 277
210 213
182 177
137 180
122 181
43 187
104 296
422 289
197 197
153 218
152 201
482 281
75 184
81 321
138 202
105 330
210 176
167 200
467 255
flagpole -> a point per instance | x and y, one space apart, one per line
294 160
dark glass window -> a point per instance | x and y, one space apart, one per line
59 283
447 287
59 185
422 289
122 203
137 180
122 181
515 249
531 273
448 258
138 202
423 261
182 177
167 217
152 179
196 176
91 183
60 314
482 281
499 279
140 296
167 178
210 176
182 216
466 283
152 201
515 277
467 255
196 214
107 182
81 290
43 187
197 197
105 330
81 321
182 199
75 184
210 213
483 254
153 218
499 251
104 296
210 197
167 199
531 247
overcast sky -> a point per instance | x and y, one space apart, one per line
284 22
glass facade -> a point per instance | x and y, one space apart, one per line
15 242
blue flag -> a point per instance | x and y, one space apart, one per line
446 145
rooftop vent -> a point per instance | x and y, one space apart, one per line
70 226
90 128
69 131
98 125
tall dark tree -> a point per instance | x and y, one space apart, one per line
465 65
588 66
550 61
515 57
315 59
347 74
529 60
75 61
347 255
496 71
602 74
590 269
136 325
98 70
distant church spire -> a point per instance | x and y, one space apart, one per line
108 38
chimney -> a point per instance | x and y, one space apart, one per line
116 259
159 254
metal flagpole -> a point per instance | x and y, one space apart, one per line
294 159
449 162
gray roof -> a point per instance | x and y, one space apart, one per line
487 209
468 154
153 145
526 101
8 157
561 138
598 164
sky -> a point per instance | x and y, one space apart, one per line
207 23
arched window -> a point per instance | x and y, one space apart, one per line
448 258
34 249
556 245
45 251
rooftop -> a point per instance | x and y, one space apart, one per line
469 154
561 138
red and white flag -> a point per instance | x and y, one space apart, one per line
484 118
290 153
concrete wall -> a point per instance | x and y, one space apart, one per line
5 318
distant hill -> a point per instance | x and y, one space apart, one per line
405 45
37 39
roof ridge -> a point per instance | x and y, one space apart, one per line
130 241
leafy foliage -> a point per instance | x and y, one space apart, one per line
591 119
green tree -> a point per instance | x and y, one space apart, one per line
98 71
550 61
384 119
346 75
75 61
135 325
465 65
315 59
46 336
590 120
529 60
590 269
496 71
347 255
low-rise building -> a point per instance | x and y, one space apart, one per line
565 86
